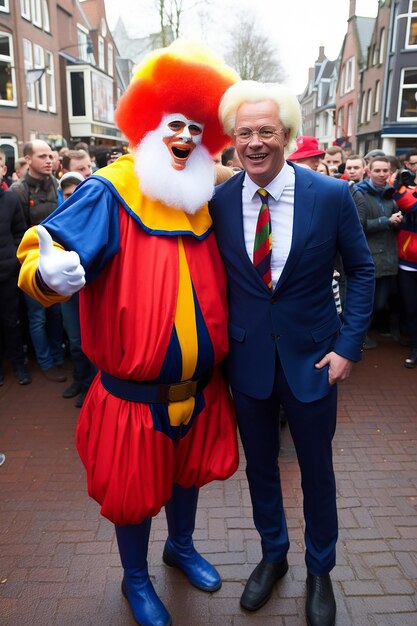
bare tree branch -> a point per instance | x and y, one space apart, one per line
252 55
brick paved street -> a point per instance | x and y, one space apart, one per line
58 558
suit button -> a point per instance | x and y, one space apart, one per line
272 335
273 300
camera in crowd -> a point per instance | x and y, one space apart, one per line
405 177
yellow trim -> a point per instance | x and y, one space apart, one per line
153 214
28 255
185 321
406 243
186 327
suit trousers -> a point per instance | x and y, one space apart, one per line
312 426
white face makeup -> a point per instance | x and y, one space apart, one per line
181 136
176 122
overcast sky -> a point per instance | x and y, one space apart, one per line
296 27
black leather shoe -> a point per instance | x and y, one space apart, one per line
261 583
320 605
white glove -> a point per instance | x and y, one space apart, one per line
60 270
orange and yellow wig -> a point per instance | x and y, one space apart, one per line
183 78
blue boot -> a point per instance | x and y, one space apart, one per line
147 608
179 550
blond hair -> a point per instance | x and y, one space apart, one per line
253 91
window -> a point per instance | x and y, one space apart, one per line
4 6
349 129
377 96
374 55
83 44
363 107
340 127
388 97
110 59
101 53
28 65
45 16
39 63
369 105
381 46
50 79
342 81
408 88
7 73
350 75
320 95
25 9
77 94
36 12
411 37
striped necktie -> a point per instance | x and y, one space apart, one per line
262 248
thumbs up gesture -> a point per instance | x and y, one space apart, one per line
59 269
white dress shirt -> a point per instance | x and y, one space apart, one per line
281 209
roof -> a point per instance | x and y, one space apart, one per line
364 31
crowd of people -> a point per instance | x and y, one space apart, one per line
159 420
41 181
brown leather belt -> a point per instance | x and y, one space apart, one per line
154 392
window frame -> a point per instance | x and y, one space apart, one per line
349 121
50 79
363 107
41 83
368 106
381 46
101 53
407 86
36 11
46 23
25 9
6 7
411 17
110 59
350 75
377 96
9 59
82 43
28 65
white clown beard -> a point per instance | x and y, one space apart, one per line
188 189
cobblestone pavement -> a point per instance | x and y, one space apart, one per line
58 558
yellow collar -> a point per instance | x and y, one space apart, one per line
153 214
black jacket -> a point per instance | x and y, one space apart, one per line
12 228
37 197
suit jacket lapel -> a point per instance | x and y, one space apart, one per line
304 201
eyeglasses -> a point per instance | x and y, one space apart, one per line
266 133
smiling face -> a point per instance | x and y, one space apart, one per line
262 159
181 136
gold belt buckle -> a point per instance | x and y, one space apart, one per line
182 391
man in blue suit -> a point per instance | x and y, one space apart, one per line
287 343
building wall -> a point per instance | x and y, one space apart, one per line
347 89
372 85
40 111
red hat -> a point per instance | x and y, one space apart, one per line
306 147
